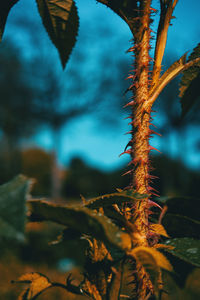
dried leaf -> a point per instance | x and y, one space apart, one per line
162 246
91 289
38 283
152 261
150 258
158 229
61 21
23 295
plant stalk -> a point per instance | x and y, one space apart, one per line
141 116
140 122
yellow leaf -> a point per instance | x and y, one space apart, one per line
150 257
38 286
23 295
126 242
92 290
28 278
159 229
162 246
38 283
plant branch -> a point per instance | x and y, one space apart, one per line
175 69
167 8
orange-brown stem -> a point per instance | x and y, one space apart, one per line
140 147
141 119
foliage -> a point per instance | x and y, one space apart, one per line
118 227
12 268
187 249
61 21
13 196
189 89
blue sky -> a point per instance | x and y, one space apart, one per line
98 145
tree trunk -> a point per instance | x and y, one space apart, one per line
55 169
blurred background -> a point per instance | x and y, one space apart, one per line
67 128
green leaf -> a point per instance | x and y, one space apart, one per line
181 226
187 249
13 196
114 198
183 217
5 7
126 9
83 220
60 18
186 206
189 85
38 284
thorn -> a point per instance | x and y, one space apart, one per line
152 177
126 152
132 123
127 173
152 203
129 132
154 132
155 194
131 103
131 77
152 189
130 143
129 117
163 212
153 148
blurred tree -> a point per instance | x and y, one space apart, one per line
69 96
17 106
36 163
174 179
89 181
17 110
85 90
56 110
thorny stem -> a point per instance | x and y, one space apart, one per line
141 120
140 138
